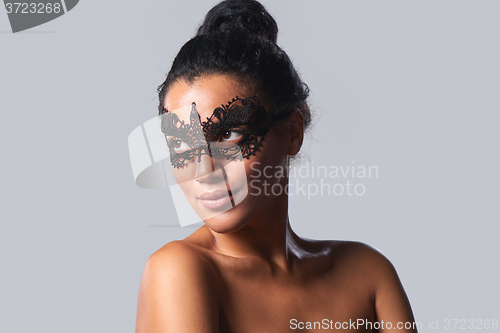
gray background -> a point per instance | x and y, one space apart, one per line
411 87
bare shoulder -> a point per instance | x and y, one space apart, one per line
181 255
178 291
362 255
371 268
365 263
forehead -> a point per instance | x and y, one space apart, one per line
208 92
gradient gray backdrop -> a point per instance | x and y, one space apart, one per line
411 87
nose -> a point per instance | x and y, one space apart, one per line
204 166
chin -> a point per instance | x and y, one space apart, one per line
229 221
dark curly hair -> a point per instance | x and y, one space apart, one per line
238 38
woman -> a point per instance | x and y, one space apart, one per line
232 101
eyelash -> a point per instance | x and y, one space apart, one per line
231 130
171 143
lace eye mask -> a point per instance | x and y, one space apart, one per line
243 116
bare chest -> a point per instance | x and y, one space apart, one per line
253 304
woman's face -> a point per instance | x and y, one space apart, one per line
226 193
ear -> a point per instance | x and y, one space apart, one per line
296 129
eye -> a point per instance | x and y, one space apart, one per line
230 136
178 145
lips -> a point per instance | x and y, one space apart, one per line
215 199
218 194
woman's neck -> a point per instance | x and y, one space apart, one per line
268 236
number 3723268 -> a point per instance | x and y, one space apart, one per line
472 324
33 8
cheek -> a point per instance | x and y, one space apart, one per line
272 153
187 189
236 174
181 175
267 167
188 172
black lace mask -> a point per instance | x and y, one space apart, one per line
243 118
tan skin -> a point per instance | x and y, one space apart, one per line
246 270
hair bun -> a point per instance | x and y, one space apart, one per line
247 16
